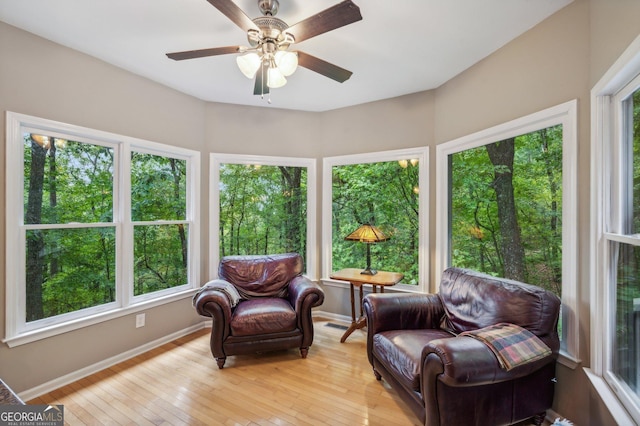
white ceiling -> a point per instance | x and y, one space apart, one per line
399 47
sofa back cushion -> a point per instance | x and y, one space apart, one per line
261 275
474 300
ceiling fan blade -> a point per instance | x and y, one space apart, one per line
235 14
323 67
261 88
337 16
192 54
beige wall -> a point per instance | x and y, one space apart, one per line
43 79
555 62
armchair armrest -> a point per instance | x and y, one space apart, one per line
464 361
214 303
402 311
211 302
304 293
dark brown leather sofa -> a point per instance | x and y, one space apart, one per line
450 380
274 307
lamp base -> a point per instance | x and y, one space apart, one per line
369 271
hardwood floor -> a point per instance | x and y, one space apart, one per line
180 383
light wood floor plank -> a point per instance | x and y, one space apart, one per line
179 383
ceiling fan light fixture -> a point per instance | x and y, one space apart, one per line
249 64
270 38
286 61
275 78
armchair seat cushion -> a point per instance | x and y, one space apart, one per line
263 316
401 351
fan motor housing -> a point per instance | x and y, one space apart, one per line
271 28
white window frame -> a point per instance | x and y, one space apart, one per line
566 115
606 142
422 154
18 331
311 258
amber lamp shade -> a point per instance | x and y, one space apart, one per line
367 234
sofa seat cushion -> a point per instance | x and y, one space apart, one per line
401 351
262 316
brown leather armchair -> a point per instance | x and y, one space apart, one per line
258 304
414 343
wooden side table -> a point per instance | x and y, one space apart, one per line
355 278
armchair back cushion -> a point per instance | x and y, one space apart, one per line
259 275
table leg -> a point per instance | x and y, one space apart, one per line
353 307
361 322
352 327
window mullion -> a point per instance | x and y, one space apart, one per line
122 217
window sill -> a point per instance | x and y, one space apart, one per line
54 330
568 361
609 399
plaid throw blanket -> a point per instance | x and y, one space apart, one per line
512 344
222 286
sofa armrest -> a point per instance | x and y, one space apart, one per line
401 311
465 361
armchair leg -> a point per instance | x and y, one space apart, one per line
538 419
378 376
304 352
220 362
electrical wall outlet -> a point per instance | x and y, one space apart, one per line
140 320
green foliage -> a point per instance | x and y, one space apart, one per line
75 183
158 192
73 268
79 269
158 188
160 258
263 209
635 108
383 194
537 184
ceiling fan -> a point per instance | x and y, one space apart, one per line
268 59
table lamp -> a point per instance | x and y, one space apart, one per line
367 234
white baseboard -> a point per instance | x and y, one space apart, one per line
94 368
332 316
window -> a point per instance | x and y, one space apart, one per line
262 205
97 224
615 296
159 219
380 189
507 206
